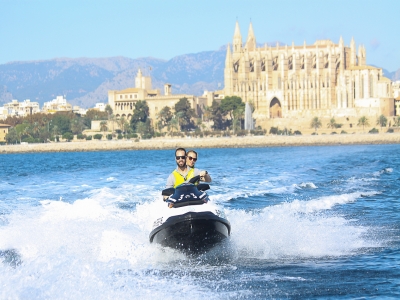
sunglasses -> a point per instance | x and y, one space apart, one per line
180 157
192 158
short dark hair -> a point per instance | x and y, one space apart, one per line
180 149
187 153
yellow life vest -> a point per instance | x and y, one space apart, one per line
179 178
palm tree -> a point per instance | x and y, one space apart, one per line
120 123
237 116
109 110
174 123
112 119
363 121
103 126
77 125
36 129
207 113
179 115
123 124
27 131
316 123
397 121
332 123
56 131
382 121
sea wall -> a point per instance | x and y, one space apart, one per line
214 142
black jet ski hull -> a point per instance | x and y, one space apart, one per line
192 231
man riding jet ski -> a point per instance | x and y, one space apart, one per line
189 222
185 171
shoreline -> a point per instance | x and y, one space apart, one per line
208 142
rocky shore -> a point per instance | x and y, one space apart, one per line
213 142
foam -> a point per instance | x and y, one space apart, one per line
91 248
294 229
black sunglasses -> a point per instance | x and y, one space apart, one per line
180 157
192 158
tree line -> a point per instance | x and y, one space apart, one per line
226 114
363 121
42 127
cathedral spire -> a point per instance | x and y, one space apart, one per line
341 43
251 39
237 39
228 59
353 55
237 30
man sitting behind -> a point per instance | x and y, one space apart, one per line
184 173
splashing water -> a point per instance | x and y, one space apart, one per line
83 232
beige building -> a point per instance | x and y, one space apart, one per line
323 79
21 109
3 131
3 113
123 102
55 105
396 95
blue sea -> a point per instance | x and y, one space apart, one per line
307 223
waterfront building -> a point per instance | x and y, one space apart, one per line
21 109
100 106
323 79
3 113
3 131
79 110
123 101
55 105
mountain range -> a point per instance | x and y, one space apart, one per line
85 81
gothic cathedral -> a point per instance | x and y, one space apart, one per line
324 79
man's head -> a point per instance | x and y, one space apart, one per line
180 157
191 158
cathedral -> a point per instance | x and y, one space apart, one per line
291 81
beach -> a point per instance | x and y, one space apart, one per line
208 142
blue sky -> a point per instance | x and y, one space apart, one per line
46 29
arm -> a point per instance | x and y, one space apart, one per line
204 176
170 181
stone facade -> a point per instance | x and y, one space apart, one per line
3 132
123 101
324 79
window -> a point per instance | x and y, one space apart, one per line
362 87
371 91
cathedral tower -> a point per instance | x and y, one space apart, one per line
228 72
251 39
237 39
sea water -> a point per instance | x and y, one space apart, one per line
307 222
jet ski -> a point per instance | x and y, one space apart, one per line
189 222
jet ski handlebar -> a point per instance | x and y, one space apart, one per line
195 179
201 187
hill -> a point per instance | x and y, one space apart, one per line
85 81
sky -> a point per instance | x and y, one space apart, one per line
47 29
